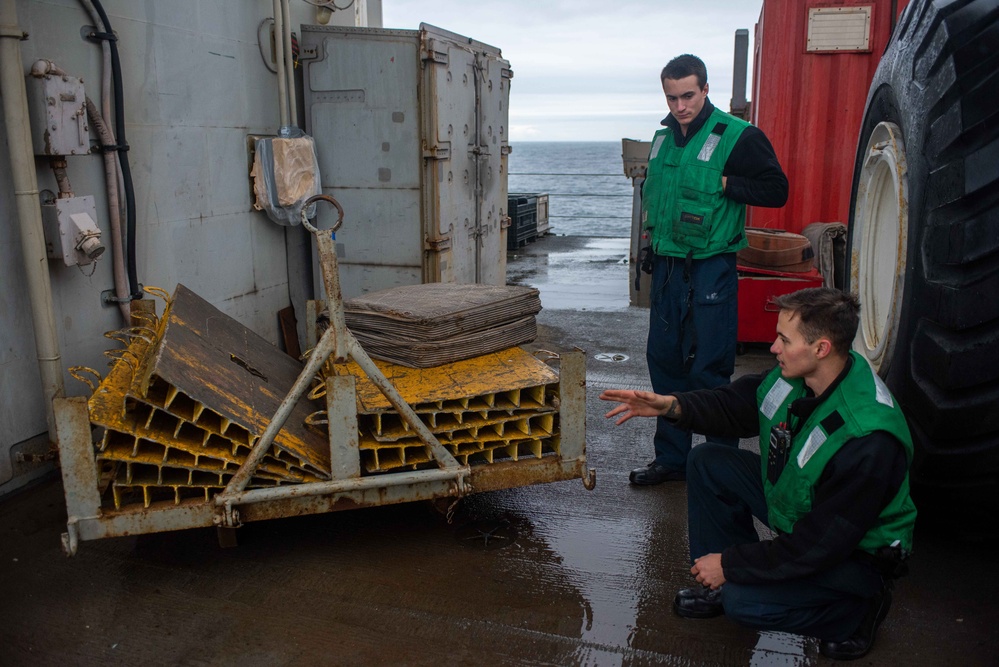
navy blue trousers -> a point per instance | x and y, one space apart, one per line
724 493
693 320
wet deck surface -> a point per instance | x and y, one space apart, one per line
546 575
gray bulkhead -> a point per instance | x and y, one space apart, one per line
195 88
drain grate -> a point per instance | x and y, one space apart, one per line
486 534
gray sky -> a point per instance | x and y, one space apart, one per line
586 70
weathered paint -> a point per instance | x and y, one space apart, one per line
509 370
345 457
162 516
515 416
499 405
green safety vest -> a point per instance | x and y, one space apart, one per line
682 200
858 406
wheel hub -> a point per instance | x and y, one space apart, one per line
879 238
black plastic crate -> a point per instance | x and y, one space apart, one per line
523 212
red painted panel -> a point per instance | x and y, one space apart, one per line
811 105
757 288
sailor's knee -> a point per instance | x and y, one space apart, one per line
740 606
706 458
744 606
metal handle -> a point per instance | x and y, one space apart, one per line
328 199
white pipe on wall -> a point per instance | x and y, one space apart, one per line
282 71
29 212
289 63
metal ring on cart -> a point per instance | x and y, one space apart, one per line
328 199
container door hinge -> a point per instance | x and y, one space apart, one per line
429 51
442 151
438 245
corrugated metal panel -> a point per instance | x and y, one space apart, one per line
810 105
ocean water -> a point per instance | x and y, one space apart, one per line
588 193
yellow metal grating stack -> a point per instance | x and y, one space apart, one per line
161 440
499 406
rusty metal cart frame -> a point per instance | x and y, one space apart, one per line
88 520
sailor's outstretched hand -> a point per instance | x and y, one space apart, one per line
635 403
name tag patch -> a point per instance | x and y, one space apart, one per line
881 391
815 440
656 145
708 149
775 398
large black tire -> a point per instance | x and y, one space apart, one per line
928 279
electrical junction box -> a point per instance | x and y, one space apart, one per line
57 109
71 232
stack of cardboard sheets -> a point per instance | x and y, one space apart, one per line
421 326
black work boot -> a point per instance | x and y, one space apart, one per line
655 474
862 640
698 602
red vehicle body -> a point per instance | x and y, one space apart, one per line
810 105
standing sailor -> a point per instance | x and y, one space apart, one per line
705 166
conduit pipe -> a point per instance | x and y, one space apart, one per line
29 212
282 71
112 171
289 63
114 211
135 290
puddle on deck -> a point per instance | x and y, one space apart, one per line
591 274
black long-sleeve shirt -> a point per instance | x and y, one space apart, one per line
753 173
856 485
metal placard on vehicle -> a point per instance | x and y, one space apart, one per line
838 29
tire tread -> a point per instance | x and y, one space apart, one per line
939 81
